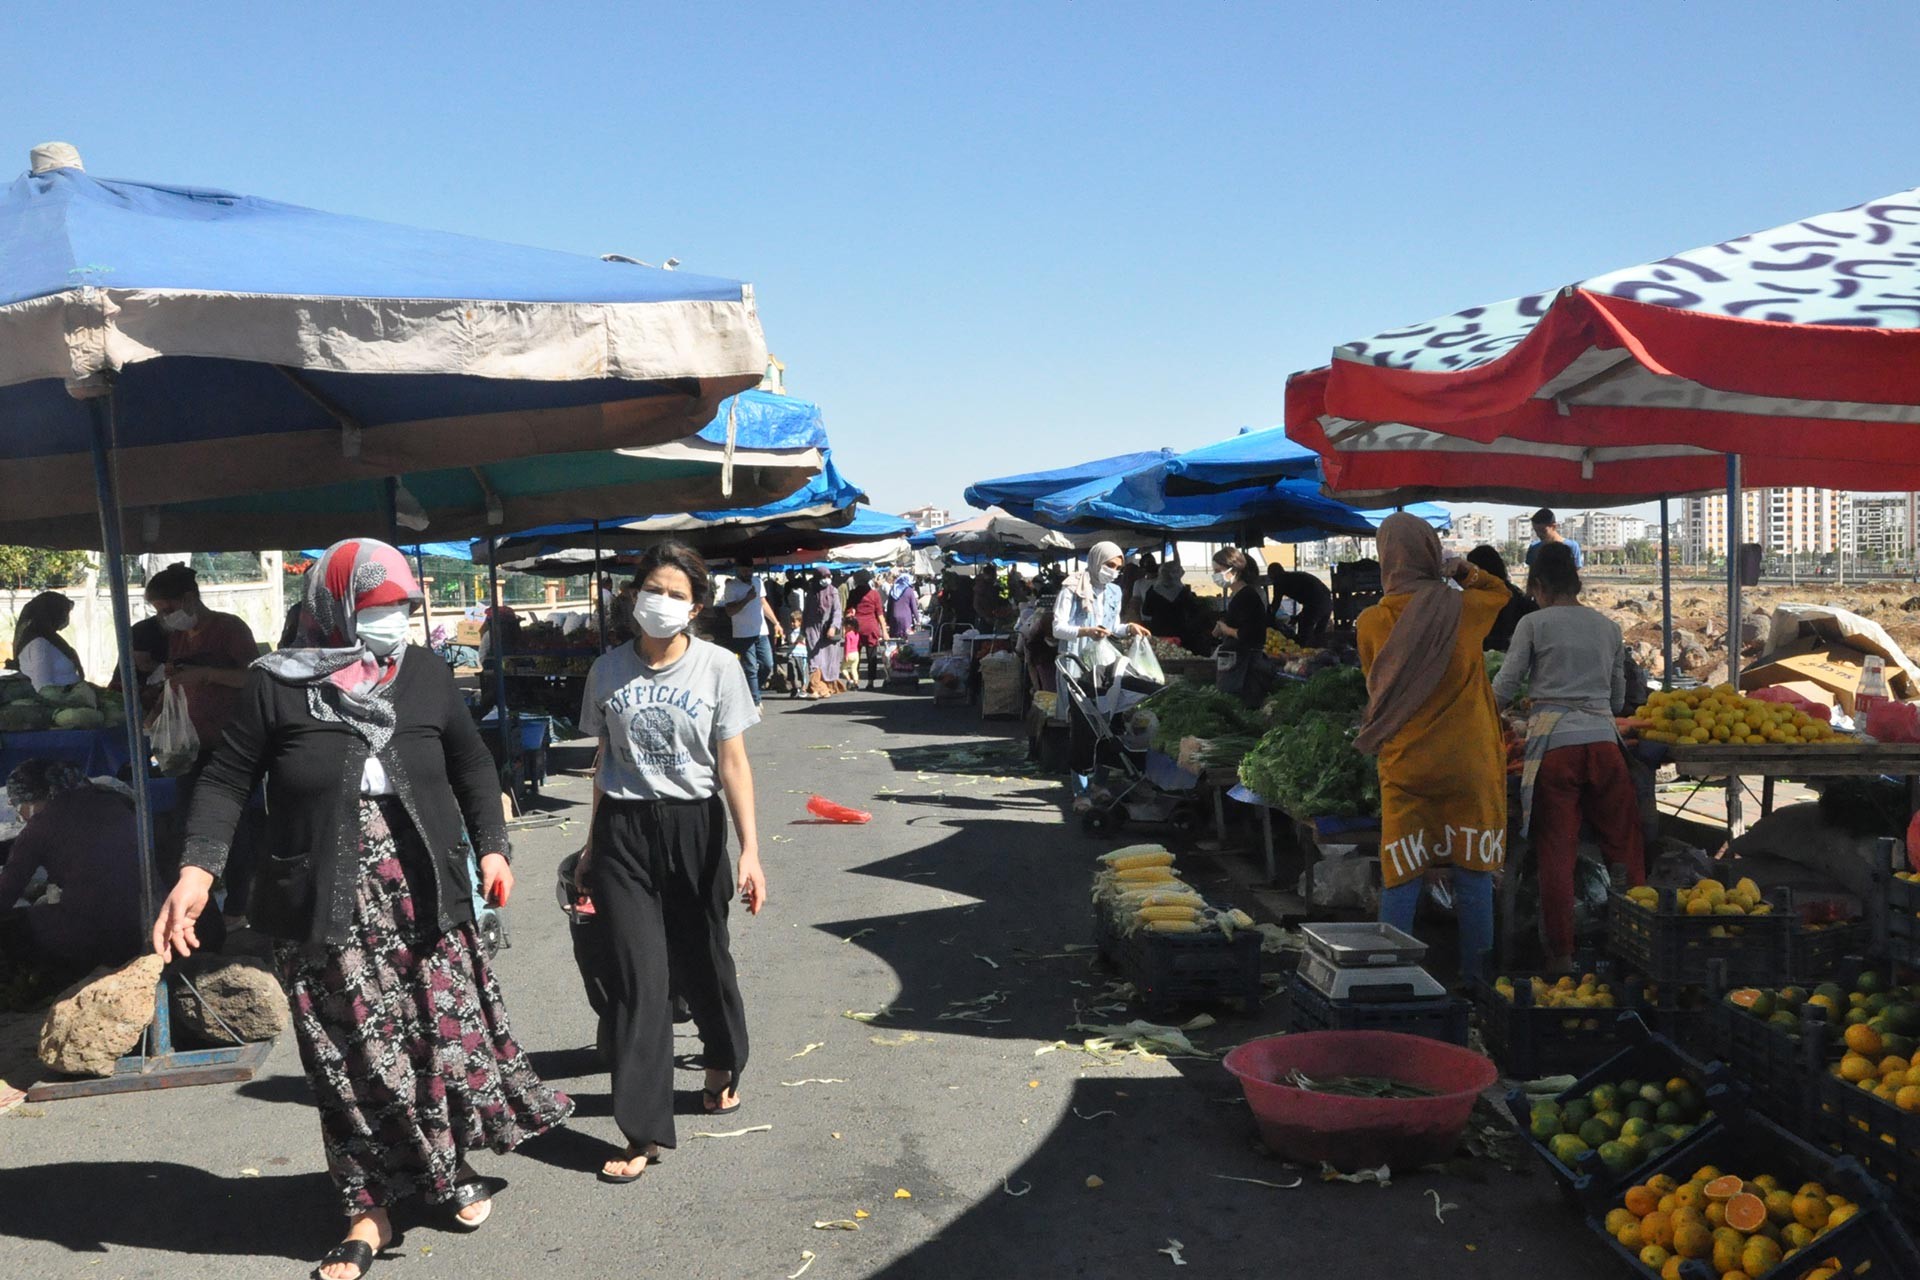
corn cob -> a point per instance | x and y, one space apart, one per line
1125 857
1144 875
1172 899
1174 926
1148 915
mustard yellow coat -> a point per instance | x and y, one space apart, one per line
1443 776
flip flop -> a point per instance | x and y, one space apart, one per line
469 1193
621 1180
355 1252
711 1104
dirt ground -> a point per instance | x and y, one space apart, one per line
1700 617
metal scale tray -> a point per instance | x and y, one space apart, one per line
1366 962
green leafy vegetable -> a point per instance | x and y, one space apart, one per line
1336 691
1311 770
1189 710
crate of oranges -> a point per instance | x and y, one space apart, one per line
1869 1107
1751 1200
1705 934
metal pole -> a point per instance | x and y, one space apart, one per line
426 600
108 496
1666 600
1734 523
599 600
496 633
392 490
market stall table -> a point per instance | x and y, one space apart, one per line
101 752
1856 759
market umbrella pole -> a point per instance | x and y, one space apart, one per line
426 600
1666 601
599 600
496 633
1735 822
155 1064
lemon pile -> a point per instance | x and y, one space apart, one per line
1279 645
1587 992
1709 898
1720 714
1743 1227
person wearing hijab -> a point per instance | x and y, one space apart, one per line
1574 663
375 778
39 651
903 605
1168 605
869 612
1518 604
1241 667
83 837
823 623
1086 613
1431 719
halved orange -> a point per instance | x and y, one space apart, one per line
1746 1212
1726 1189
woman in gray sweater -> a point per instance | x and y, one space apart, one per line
1574 663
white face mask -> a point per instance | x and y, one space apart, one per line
662 617
1103 574
1222 578
178 621
383 628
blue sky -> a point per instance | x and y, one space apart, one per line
989 238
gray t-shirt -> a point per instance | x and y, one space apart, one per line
664 726
1578 666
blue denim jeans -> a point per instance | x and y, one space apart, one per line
1473 906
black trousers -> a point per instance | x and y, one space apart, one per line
662 884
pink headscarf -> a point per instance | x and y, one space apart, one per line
345 682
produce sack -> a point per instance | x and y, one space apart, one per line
175 744
1889 721
1140 657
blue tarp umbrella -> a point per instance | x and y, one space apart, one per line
1283 511
1017 494
1249 459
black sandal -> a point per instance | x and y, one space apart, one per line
475 1190
621 1180
711 1104
357 1252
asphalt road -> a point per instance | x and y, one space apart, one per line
967 1153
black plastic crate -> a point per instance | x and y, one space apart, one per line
1643 1056
1894 914
1439 1018
1814 956
1530 1040
1876 1133
1747 1144
1779 1068
1673 948
1169 969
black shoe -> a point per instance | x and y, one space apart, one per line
681 1013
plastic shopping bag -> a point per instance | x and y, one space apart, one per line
175 744
1145 664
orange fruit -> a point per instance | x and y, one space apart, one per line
1841 1214
1726 1251
1657 1230
1672 1270
1716 1213
1661 1184
1691 1196
1629 1237
1618 1218
1811 1211
1863 1040
1723 1188
1779 1205
1692 1240
1746 1212
1641 1201
1653 1257
1759 1257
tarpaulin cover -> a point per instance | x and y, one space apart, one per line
336 348
1800 344
1250 458
1017 494
1284 511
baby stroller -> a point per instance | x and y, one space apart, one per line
1127 795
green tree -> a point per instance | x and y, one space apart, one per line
32 569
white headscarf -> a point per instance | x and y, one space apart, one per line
1080 583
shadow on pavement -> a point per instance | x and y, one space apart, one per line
93 1207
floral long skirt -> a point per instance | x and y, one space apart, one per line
404 1037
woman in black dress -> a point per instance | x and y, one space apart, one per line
1240 661
375 776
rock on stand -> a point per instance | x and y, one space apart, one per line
240 990
98 1020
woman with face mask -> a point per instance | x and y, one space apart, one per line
375 777
39 651
671 712
823 623
208 653
1086 612
1241 667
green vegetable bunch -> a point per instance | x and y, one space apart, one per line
1335 691
1185 709
1310 769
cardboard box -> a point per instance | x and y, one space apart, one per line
467 632
1821 671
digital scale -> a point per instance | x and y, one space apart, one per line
1366 963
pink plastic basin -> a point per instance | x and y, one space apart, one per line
1360 1133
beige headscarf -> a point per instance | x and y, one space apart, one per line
1416 654
1080 582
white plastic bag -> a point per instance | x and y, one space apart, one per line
175 744
1141 658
